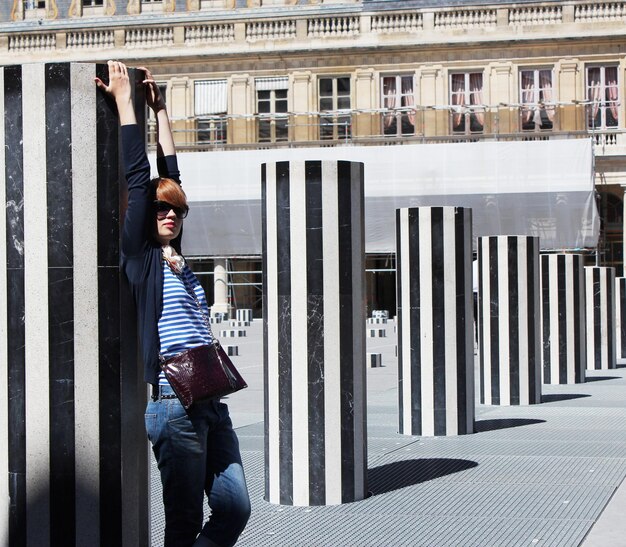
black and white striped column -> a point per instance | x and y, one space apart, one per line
563 318
435 337
600 297
314 332
509 336
620 320
68 431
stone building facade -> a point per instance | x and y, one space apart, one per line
283 73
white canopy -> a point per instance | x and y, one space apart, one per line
539 188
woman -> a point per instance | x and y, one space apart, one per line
197 450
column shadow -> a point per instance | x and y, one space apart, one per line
481 426
396 475
552 397
600 378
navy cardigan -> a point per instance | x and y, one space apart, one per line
141 257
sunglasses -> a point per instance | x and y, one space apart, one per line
163 208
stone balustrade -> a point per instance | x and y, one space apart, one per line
91 39
432 23
600 12
397 22
536 15
207 34
150 37
324 27
466 19
271 30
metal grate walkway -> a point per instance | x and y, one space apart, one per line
533 475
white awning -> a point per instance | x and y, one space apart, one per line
210 97
539 188
269 84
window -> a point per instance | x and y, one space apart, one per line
334 106
399 102
272 109
537 98
603 94
466 98
34 4
210 106
88 3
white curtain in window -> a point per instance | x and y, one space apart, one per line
594 89
210 97
271 84
476 88
610 75
528 95
545 83
389 97
458 99
409 98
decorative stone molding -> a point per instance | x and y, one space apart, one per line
169 6
109 7
133 7
76 9
52 11
17 11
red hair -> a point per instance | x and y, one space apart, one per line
169 190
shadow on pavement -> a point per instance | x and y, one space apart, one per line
396 475
600 378
552 397
504 423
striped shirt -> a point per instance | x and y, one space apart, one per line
181 325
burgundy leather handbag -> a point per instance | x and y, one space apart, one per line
201 373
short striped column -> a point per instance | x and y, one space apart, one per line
244 315
620 319
72 397
563 318
314 332
435 341
600 297
509 334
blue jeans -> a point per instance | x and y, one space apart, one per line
197 452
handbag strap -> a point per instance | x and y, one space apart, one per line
190 290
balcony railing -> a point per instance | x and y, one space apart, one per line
432 124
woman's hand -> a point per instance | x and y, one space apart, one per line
119 88
154 99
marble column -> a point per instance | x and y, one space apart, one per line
435 326
509 338
563 318
620 319
220 287
72 427
314 332
600 301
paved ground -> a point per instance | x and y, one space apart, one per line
530 475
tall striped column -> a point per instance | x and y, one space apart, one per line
69 432
435 327
620 320
508 312
563 318
314 332
600 297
